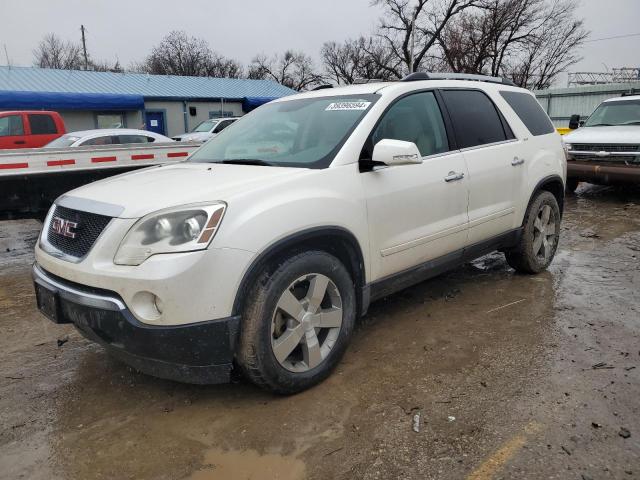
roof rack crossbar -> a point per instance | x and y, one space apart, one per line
414 77
321 87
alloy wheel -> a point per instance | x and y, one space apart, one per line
306 322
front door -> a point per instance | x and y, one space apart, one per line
416 213
155 122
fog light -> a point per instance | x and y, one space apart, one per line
146 306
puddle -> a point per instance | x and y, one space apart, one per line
248 465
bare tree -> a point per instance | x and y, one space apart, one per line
53 52
553 48
358 59
292 69
530 41
180 54
426 19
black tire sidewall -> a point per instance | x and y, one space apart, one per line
276 377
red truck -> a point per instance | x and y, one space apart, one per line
29 129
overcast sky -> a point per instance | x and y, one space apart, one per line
127 29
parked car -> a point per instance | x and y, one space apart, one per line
29 129
263 248
107 136
606 149
205 130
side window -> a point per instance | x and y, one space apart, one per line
415 118
11 125
222 125
133 139
475 118
106 140
42 124
530 112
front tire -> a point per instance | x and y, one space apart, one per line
540 235
297 322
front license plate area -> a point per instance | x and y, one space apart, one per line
48 302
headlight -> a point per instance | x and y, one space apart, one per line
181 229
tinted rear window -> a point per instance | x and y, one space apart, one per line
475 118
42 124
530 112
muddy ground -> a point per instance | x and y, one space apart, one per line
512 376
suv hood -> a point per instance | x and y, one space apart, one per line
151 189
605 135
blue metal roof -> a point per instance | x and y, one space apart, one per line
169 87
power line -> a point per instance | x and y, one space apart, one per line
612 38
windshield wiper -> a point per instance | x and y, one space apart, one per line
601 125
248 161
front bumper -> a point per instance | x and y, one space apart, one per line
199 353
605 173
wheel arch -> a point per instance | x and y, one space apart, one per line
552 184
336 241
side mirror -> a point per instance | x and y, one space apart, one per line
396 152
574 122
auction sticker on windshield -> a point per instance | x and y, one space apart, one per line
338 106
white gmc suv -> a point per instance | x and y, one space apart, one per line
261 250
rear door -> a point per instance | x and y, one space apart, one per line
43 129
488 146
12 131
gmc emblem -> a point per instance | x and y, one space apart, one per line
64 227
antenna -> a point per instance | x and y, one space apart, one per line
84 49
6 54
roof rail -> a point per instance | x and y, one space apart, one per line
321 87
413 77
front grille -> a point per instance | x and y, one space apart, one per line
77 237
580 147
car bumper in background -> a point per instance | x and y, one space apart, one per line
194 353
603 173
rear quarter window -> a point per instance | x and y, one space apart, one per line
42 124
530 112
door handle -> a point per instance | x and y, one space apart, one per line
517 161
19 142
453 176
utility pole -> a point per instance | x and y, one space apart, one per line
84 49
413 38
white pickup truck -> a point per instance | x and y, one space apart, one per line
31 179
606 150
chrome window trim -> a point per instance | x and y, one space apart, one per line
485 145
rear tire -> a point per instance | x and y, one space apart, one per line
540 235
297 322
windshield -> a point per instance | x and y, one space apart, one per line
621 112
63 141
205 126
296 133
